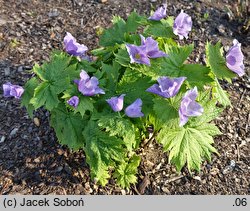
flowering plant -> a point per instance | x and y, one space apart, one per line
105 105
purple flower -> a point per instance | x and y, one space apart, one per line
148 49
134 110
160 13
235 58
189 107
10 90
152 49
167 87
182 25
88 86
116 103
72 47
73 101
137 54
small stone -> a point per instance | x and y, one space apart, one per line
2 139
20 69
214 171
53 13
59 169
221 29
37 160
123 192
36 121
197 178
7 71
67 168
60 152
158 166
165 190
13 132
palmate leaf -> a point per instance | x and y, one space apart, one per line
134 85
178 54
116 34
188 145
217 63
102 151
126 172
193 142
171 66
28 94
165 110
163 28
68 127
220 94
112 73
55 79
86 103
197 75
115 125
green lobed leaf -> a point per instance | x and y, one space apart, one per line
85 104
165 110
115 125
197 75
163 28
101 151
45 95
126 172
55 77
217 63
112 74
122 57
178 54
28 94
133 22
134 85
68 127
115 34
188 145
193 142
220 94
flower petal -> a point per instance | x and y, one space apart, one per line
134 110
72 47
116 103
234 59
182 25
137 54
73 101
160 13
189 107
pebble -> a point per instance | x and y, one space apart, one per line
67 168
214 171
197 178
221 29
2 139
20 69
165 190
53 13
123 192
37 160
36 121
7 71
13 132
59 169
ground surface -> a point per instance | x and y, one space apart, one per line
32 161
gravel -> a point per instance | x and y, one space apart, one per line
31 159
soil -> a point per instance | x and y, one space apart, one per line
31 159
